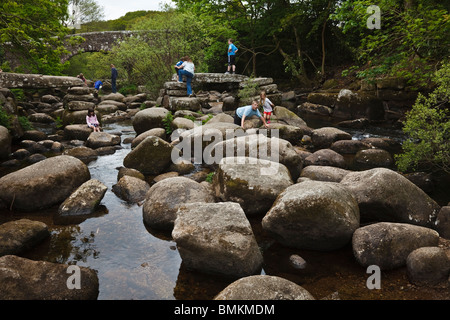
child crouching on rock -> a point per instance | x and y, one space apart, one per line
92 122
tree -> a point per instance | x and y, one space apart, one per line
428 128
33 31
411 43
84 11
148 58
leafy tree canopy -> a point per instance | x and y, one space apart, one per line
33 30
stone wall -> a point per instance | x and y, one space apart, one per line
214 92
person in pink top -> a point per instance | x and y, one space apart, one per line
92 122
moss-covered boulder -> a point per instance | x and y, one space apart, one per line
151 157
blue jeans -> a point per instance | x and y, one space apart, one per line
189 77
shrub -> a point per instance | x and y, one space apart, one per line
428 128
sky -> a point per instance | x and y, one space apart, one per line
117 8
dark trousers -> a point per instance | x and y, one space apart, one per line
237 120
113 85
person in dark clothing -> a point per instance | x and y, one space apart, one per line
113 78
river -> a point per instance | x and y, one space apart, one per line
134 262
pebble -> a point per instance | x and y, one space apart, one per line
297 262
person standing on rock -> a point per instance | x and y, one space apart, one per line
247 112
187 69
267 105
92 121
179 63
113 78
232 49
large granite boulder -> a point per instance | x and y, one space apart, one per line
388 244
324 137
253 183
20 235
165 198
157 132
313 215
131 189
148 119
217 238
385 195
262 147
324 173
264 287
151 157
84 200
102 139
43 184
24 279
428 266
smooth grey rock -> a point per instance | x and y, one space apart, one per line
388 244
216 238
85 200
264 287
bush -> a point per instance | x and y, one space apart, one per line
428 128
5 119
25 123
167 121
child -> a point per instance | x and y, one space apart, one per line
267 106
231 57
92 122
179 63
246 112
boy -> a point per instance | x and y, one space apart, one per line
246 112
231 57
179 63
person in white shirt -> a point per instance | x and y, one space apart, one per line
267 105
187 69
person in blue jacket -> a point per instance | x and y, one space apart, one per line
231 57
179 63
98 85
246 112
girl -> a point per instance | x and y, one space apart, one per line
92 122
267 105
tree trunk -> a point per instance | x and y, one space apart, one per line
323 40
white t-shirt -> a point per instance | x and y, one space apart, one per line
267 105
188 66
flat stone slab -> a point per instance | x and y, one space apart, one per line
37 81
216 78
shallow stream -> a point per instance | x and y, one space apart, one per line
134 262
